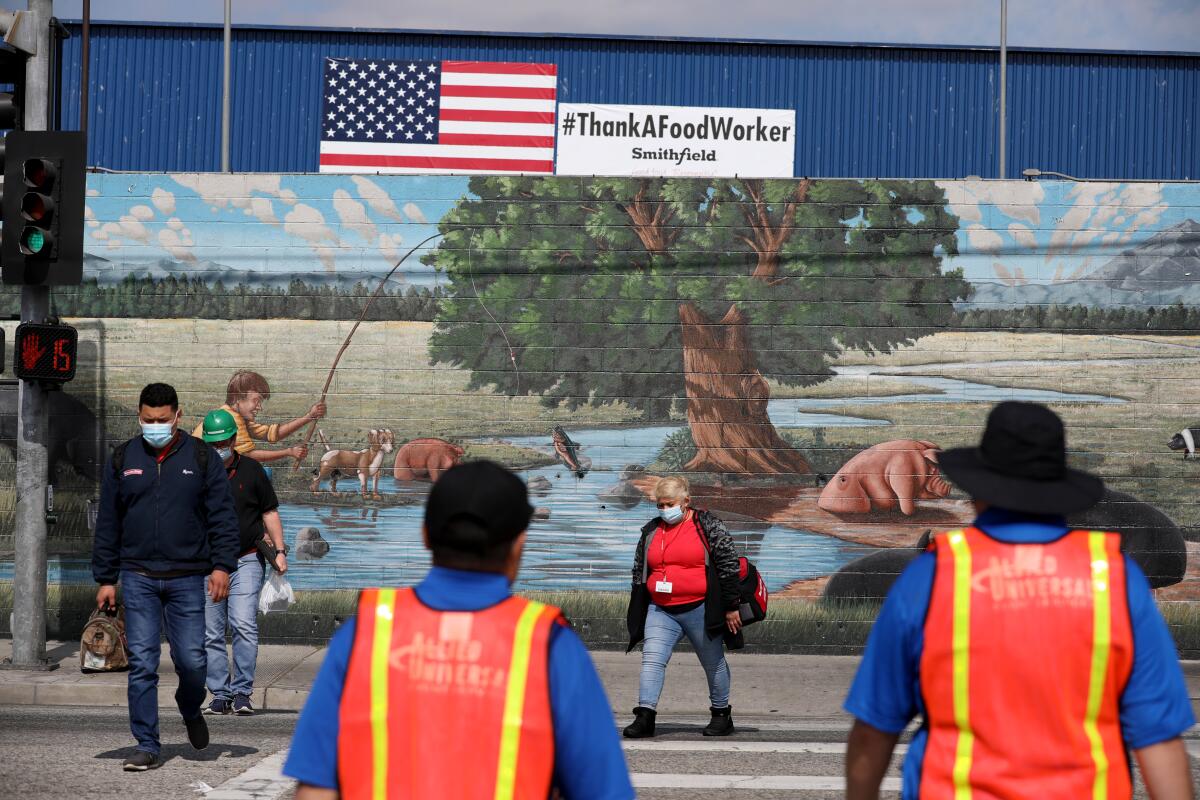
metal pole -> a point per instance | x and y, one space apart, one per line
85 56
225 91
29 568
1003 88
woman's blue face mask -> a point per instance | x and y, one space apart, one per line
671 514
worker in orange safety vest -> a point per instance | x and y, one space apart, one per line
1034 654
456 688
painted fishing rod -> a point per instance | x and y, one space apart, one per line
367 307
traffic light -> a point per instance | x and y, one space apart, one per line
45 352
42 209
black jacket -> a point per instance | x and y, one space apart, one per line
722 594
164 516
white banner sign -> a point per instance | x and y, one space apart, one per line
675 140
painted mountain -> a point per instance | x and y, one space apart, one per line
1169 258
1161 271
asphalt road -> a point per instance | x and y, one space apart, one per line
75 753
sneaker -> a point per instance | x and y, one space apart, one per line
141 761
219 705
197 731
241 706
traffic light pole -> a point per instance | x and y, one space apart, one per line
29 568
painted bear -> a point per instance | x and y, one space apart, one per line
425 458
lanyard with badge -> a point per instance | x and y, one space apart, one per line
664 586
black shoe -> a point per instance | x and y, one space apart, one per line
218 706
642 726
721 723
197 731
141 761
242 706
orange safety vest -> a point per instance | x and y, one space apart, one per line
447 703
1027 650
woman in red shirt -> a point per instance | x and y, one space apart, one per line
687 564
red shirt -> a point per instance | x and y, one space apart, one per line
675 555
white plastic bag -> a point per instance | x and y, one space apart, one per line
276 594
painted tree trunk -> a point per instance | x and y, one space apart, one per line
727 400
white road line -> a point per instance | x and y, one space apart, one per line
648 780
264 781
749 725
728 746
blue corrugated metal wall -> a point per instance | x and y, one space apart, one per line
861 110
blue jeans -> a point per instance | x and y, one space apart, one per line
663 631
147 602
240 611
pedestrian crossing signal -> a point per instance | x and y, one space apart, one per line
46 353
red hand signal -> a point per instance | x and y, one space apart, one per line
32 351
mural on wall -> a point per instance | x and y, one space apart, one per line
801 349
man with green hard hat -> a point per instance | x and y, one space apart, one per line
258 517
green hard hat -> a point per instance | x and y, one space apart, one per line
219 426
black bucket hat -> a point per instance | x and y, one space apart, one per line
1021 464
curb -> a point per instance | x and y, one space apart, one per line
112 695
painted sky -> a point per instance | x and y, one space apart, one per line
1010 231
1107 24
273 223
1047 231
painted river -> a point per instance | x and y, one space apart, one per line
587 543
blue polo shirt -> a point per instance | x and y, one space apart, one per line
588 758
886 693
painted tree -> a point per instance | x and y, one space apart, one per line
655 291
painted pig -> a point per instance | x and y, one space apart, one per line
425 458
884 476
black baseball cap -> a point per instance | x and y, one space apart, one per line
484 493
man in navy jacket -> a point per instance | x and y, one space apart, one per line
166 521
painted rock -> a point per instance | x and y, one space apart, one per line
425 458
1148 535
310 545
541 512
632 472
623 495
868 578
539 484
884 477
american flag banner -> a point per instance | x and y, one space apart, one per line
402 116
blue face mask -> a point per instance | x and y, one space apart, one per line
158 434
672 515
225 453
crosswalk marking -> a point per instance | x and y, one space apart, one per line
655 780
728 746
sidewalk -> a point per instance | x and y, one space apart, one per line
764 685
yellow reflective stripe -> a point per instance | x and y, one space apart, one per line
385 610
514 702
961 649
1101 644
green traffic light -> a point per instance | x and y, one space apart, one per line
35 240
